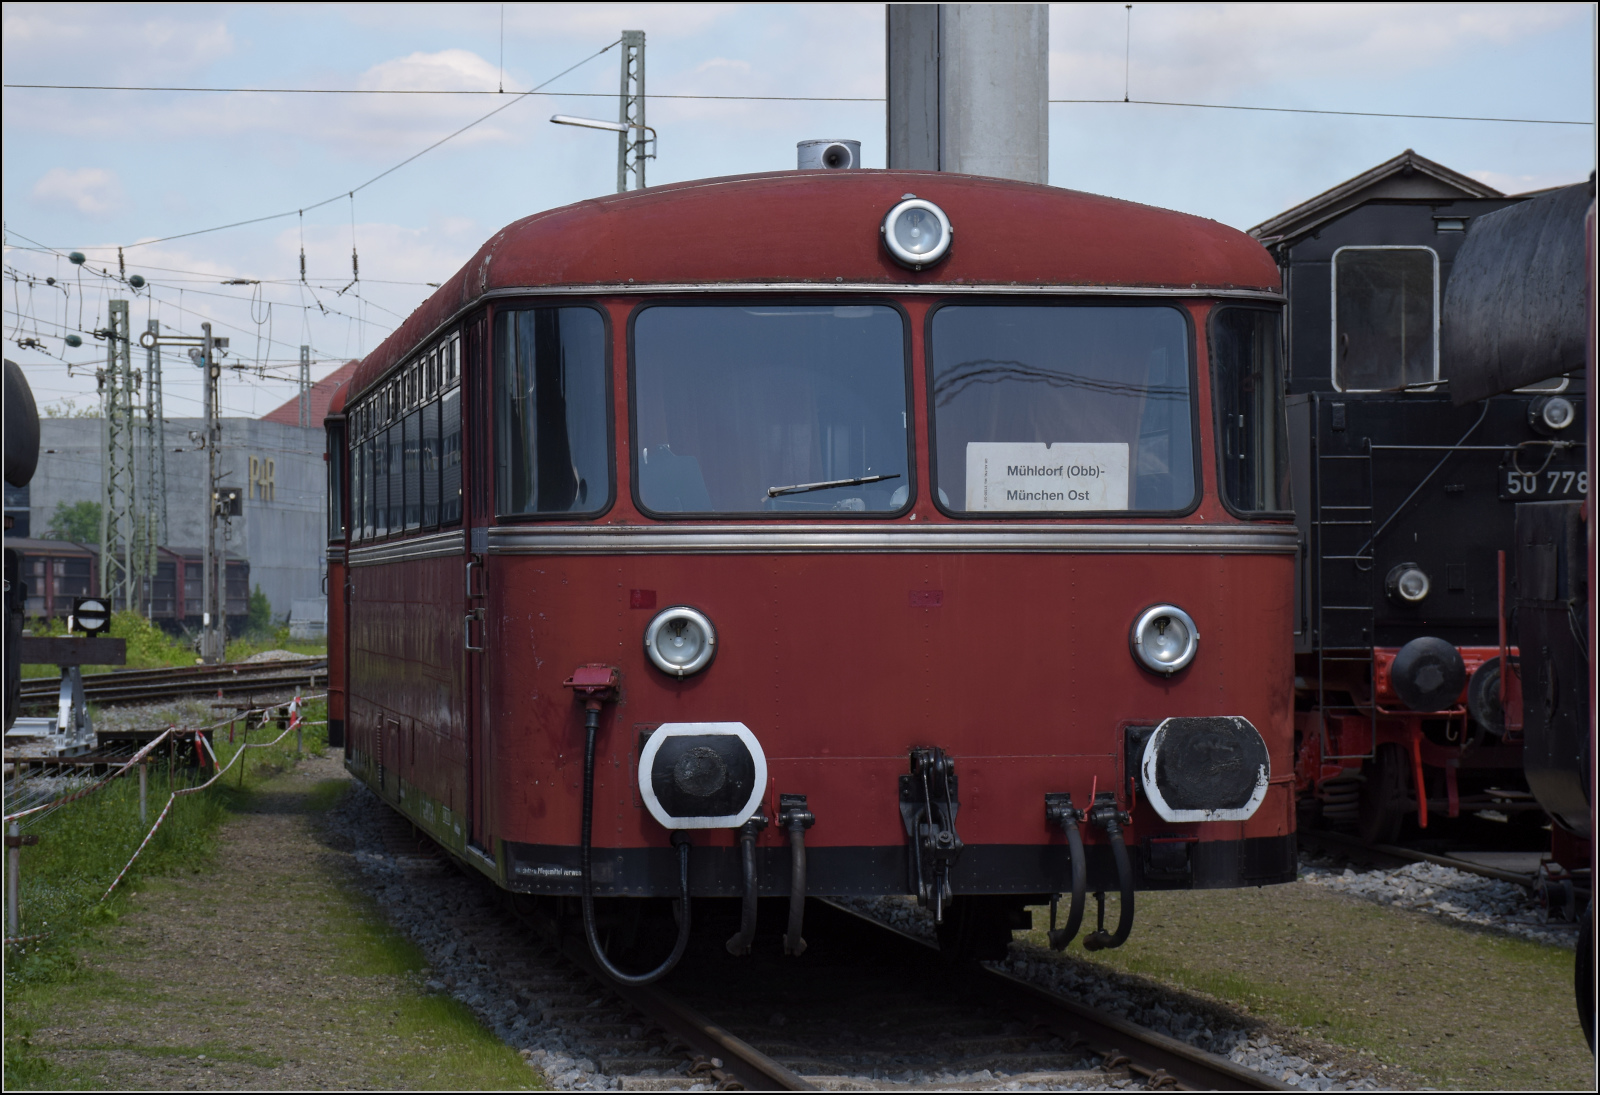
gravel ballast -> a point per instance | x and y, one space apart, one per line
1449 893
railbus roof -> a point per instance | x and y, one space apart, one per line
819 230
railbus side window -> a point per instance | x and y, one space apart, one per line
430 464
336 480
551 430
397 476
1385 318
380 482
1247 390
413 463
1061 408
450 457
767 409
360 488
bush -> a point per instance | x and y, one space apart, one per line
259 622
148 646
79 522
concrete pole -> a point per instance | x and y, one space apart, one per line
969 88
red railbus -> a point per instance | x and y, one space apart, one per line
841 533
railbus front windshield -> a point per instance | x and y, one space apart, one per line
771 409
1061 409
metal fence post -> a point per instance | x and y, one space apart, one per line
144 784
14 881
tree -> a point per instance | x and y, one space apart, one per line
68 408
79 522
260 618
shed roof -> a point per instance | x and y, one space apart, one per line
1408 175
322 393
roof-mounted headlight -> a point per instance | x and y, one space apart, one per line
916 232
680 640
1164 639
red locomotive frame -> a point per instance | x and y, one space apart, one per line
845 644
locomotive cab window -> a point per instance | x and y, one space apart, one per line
770 409
552 428
1252 431
1385 318
1061 408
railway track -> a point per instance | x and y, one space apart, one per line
1346 845
869 1007
179 682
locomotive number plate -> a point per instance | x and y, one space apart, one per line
1549 484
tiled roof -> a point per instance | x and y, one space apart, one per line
322 393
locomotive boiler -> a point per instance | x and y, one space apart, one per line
828 533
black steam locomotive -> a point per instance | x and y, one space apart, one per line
1406 505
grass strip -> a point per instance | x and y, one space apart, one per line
1458 1006
377 1026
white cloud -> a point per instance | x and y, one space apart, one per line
1191 50
92 191
116 42
450 69
1521 184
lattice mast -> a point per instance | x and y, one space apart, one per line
631 145
154 493
122 566
305 387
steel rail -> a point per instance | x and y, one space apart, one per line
1394 851
180 681
1154 1057
730 1057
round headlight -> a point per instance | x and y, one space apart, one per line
680 641
1553 412
1164 639
917 233
1407 583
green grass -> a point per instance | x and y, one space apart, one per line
1457 1006
108 987
83 845
149 647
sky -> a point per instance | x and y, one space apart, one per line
94 170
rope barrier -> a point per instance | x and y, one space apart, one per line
294 723
87 791
143 753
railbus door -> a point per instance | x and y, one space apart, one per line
478 511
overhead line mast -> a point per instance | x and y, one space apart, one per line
631 142
122 562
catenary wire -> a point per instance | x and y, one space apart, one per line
784 99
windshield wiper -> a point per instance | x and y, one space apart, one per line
803 488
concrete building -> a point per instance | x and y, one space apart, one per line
276 465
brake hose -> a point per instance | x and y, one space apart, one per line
591 726
1064 815
1105 815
